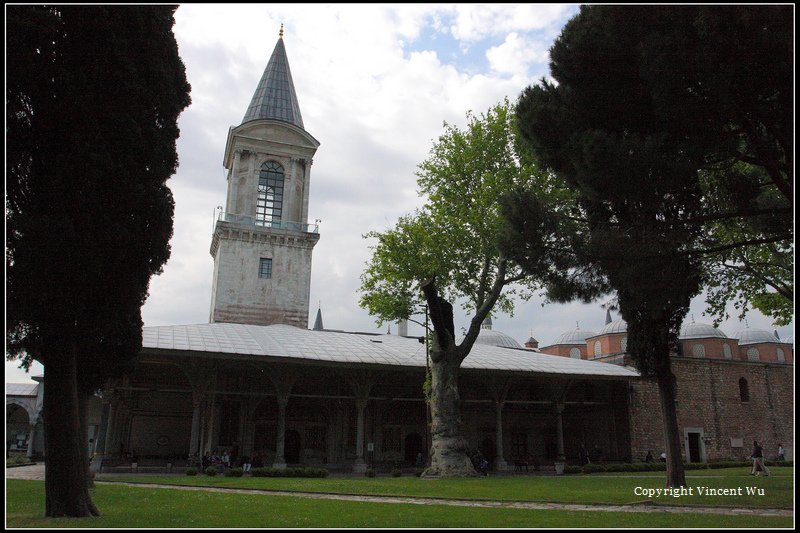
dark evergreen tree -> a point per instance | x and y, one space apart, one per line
93 96
650 106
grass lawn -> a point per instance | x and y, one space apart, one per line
137 507
592 489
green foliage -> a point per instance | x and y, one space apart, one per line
191 471
454 236
211 471
706 88
396 472
370 472
289 472
235 472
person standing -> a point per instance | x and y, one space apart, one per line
781 453
758 460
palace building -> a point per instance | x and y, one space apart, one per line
255 381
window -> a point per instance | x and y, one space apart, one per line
265 268
269 205
698 350
623 344
752 354
597 349
726 351
744 390
781 355
575 353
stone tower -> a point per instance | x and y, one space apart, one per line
262 242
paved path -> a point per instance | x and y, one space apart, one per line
37 472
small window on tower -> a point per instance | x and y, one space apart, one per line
265 268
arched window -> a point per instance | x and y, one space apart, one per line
752 354
269 205
726 351
575 353
698 350
597 349
781 355
744 390
623 344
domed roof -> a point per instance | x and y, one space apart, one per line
755 336
574 336
496 338
697 330
617 326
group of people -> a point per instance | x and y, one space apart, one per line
226 460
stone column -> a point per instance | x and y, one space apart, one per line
108 446
499 462
559 438
280 437
31 436
233 184
360 465
560 431
194 440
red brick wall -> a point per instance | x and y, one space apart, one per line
708 398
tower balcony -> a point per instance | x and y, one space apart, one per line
247 220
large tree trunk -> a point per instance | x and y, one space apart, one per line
449 450
83 402
666 387
66 491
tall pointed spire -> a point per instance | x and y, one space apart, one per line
608 316
318 322
275 97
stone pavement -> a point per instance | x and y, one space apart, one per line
37 472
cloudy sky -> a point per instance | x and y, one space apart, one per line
375 84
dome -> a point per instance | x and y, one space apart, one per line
574 336
697 330
755 336
491 337
617 326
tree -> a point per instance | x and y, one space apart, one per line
638 119
717 83
448 251
92 102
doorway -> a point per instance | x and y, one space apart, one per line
693 439
291 446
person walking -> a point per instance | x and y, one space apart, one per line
758 460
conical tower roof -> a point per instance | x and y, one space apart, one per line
275 97
318 322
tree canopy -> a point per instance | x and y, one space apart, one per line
714 86
670 139
448 251
92 101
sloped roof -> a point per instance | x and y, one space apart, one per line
284 341
22 389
